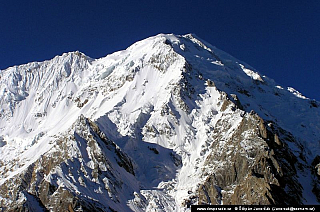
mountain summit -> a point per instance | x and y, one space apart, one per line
169 122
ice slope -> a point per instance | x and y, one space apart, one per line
159 100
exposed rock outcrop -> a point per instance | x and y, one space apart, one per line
256 167
78 161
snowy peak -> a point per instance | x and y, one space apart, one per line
30 91
168 122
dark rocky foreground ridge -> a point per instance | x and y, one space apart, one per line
170 122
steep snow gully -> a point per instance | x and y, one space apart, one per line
169 122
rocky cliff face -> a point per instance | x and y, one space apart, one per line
257 168
169 122
81 160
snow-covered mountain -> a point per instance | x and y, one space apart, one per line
169 122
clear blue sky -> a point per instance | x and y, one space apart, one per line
280 38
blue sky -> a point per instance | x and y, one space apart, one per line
278 38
